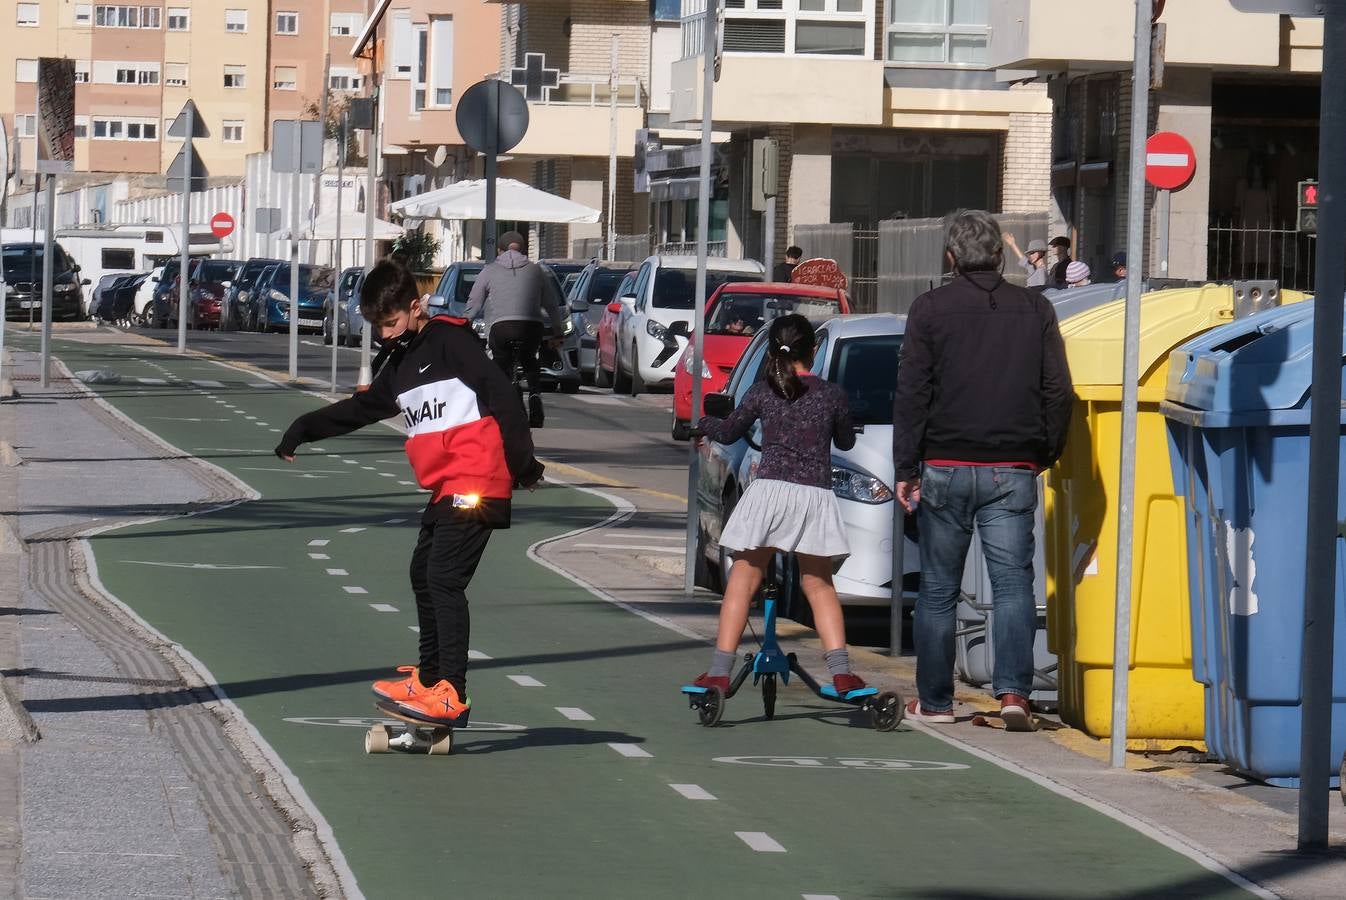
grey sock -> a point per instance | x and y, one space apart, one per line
722 662
838 661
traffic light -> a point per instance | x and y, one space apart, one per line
1307 221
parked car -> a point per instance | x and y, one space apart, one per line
272 290
734 313
346 297
22 262
594 287
860 353
560 367
210 281
605 361
648 343
144 301
242 311
566 271
99 298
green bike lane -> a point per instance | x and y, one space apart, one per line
584 774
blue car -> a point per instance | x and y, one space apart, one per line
316 286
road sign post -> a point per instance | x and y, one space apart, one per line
5 386
1170 163
186 168
336 262
55 154
492 117
296 149
221 225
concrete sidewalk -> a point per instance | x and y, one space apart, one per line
1199 808
142 785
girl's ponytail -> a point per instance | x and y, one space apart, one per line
790 340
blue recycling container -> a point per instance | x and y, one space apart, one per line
1237 409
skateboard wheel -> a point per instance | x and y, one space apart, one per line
885 711
711 708
376 739
769 696
441 742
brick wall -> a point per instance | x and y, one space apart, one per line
1027 161
784 135
594 22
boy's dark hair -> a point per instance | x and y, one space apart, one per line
791 340
1060 241
793 253
389 288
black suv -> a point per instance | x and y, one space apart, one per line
23 283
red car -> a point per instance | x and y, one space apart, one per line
606 364
734 313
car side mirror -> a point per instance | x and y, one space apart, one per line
718 406
579 306
679 329
86 282
615 307
629 300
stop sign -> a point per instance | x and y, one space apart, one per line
1169 160
221 225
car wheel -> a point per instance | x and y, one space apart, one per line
621 382
326 328
637 384
602 377
570 387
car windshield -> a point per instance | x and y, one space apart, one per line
866 368
676 288
603 286
743 313
466 278
216 270
26 260
252 271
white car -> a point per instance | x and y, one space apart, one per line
656 319
860 353
144 301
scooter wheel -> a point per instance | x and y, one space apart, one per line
886 711
711 708
769 696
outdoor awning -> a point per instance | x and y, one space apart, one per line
352 228
514 202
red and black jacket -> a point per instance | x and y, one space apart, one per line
467 434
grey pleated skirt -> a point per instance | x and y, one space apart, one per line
793 518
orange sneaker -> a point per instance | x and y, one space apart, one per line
439 705
400 689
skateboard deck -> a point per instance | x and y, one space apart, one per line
416 736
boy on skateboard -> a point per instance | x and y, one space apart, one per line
468 442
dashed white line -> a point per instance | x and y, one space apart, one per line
382 607
276 430
393 521
319 543
387 475
574 714
408 483
355 530
337 572
632 751
354 589
415 628
351 462
318 556
759 841
208 384
526 681
820 897
693 791
476 654
368 468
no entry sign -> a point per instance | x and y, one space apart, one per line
1169 160
221 225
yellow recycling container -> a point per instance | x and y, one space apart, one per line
1165 702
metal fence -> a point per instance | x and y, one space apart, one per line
1281 253
688 248
634 247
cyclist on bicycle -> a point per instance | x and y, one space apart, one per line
510 293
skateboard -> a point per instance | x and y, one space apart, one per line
415 736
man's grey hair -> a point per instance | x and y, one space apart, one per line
974 240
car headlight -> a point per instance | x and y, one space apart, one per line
590 329
66 288
242 296
858 485
570 326
656 330
687 366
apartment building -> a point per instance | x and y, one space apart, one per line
880 109
1243 88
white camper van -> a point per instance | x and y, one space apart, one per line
101 250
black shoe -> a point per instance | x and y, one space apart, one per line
536 414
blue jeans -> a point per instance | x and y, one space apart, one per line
1000 503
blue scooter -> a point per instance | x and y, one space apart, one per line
885 710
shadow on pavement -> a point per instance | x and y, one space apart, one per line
541 737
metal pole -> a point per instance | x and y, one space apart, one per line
4 212
702 251
367 333
1126 492
184 252
48 274
769 234
294 250
1315 741
612 151
336 262
1162 199
899 567
488 227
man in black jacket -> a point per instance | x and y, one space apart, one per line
983 403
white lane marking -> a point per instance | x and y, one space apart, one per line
250 418
759 841
601 400
262 424
334 456
182 419
320 543
368 468
632 751
393 521
356 530
650 547
152 380
354 589
208 384
622 535
207 566
476 654
382 607
574 714
387 475
526 681
337 572
415 628
318 556
276 430
820 897
693 791
408 483
351 462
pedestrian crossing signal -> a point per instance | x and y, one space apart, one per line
1308 220
1308 207
1308 194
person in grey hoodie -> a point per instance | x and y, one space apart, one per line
510 293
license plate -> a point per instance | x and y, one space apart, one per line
311 323
30 304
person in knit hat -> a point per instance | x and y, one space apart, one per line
1077 274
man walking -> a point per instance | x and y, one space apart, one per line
783 270
510 293
982 405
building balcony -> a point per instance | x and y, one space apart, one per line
573 118
1060 35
